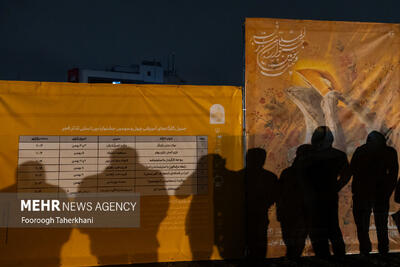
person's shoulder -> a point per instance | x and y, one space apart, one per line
287 170
270 174
339 153
229 174
391 151
9 189
360 149
287 173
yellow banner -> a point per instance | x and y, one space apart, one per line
304 74
76 134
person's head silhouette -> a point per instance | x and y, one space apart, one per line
302 151
376 139
34 171
255 158
120 156
322 137
218 162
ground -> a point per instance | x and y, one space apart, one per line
391 259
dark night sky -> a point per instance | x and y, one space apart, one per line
42 39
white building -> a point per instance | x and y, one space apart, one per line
146 72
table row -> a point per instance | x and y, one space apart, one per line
119 153
94 182
143 190
108 139
95 168
145 145
110 174
51 165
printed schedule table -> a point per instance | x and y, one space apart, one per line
149 165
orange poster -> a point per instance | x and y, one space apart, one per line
155 140
304 74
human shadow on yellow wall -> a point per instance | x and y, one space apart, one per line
216 218
32 246
128 245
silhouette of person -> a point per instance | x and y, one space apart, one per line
261 193
290 205
321 170
229 211
33 246
374 167
198 219
134 244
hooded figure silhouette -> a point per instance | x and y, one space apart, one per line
374 167
320 173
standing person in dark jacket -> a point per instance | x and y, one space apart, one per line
374 167
290 204
321 186
229 217
261 193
